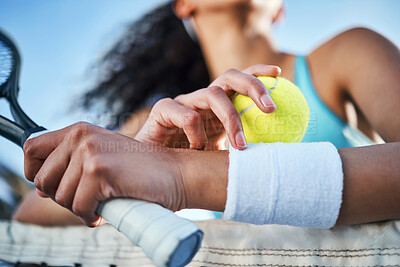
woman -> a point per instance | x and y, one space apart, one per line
346 69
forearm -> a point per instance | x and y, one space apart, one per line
371 181
43 211
205 175
371 184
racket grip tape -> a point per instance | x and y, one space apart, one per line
165 238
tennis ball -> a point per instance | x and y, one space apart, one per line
288 123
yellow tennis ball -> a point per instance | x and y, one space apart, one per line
288 123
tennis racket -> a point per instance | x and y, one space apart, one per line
166 239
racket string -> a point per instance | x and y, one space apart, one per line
6 62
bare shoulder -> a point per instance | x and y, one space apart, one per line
345 56
359 36
354 48
350 68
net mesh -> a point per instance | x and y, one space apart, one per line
6 62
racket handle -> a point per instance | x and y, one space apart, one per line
167 239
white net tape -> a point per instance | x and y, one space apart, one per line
225 244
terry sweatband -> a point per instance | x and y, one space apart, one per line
297 184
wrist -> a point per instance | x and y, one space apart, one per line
204 175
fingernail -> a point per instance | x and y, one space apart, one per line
279 70
267 102
240 140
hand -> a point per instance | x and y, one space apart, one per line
201 119
82 165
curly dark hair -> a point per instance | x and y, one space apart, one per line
155 58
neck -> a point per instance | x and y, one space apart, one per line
235 46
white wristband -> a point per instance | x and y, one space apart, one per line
297 184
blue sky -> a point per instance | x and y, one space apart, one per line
60 39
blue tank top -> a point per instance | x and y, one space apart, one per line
324 125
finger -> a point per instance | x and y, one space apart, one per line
31 167
48 177
219 142
37 149
215 99
170 114
236 81
41 194
41 146
212 124
263 70
86 200
65 193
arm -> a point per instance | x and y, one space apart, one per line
43 211
214 98
371 184
372 79
371 181
367 71
362 67
179 178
